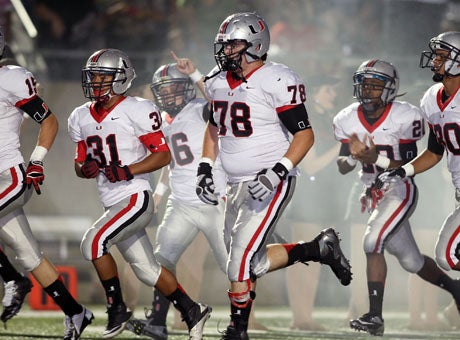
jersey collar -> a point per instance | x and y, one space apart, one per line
371 127
100 113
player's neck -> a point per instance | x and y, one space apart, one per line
248 68
451 85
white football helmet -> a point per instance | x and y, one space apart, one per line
376 69
248 27
111 62
171 89
447 41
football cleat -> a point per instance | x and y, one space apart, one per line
373 324
76 324
147 327
231 333
118 317
14 295
69 332
332 255
195 319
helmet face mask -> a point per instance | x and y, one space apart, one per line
231 61
171 89
444 50
376 83
241 28
107 73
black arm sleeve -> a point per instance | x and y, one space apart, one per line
211 118
295 119
206 114
408 151
433 144
37 109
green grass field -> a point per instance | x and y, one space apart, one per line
49 325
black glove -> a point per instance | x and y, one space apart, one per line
116 173
90 168
390 175
266 181
35 175
205 184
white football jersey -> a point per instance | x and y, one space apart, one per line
444 119
251 136
115 138
17 86
185 139
400 123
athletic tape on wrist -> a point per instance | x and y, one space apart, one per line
39 153
409 169
207 160
287 163
382 162
196 76
351 161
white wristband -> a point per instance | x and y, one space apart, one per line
351 161
39 153
409 169
196 76
382 162
207 160
287 163
161 188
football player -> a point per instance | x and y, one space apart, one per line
119 142
260 130
186 215
441 107
380 132
18 96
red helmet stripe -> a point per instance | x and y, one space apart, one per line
371 63
164 71
97 56
223 27
261 25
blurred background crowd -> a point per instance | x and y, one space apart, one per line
323 40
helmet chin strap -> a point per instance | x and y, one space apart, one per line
437 77
104 98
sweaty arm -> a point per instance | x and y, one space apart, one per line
345 161
210 142
39 112
48 131
429 157
300 145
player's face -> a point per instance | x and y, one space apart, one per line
169 95
232 49
101 84
372 88
439 60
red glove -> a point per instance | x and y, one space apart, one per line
34 175
90 168
116 173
